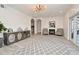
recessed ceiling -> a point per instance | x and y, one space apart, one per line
51 11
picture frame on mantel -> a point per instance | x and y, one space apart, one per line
52 24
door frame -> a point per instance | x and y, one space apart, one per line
74 40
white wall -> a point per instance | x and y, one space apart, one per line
13 18
45 22
70 13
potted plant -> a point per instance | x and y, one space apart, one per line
2 28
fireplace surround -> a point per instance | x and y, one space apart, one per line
51 31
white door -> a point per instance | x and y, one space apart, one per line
73 30
38 26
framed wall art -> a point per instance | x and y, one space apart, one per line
52 24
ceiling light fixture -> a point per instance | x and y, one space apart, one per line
39 8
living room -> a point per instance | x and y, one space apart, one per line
18 18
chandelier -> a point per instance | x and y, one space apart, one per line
38 8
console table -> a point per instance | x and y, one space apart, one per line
12 37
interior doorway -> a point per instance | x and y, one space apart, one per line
38 26
32 26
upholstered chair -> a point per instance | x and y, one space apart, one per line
25 29
59 32
45 31
10 30
19 29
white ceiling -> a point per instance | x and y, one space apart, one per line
51 11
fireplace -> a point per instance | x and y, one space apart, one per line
51 31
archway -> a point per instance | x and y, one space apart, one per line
32 26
